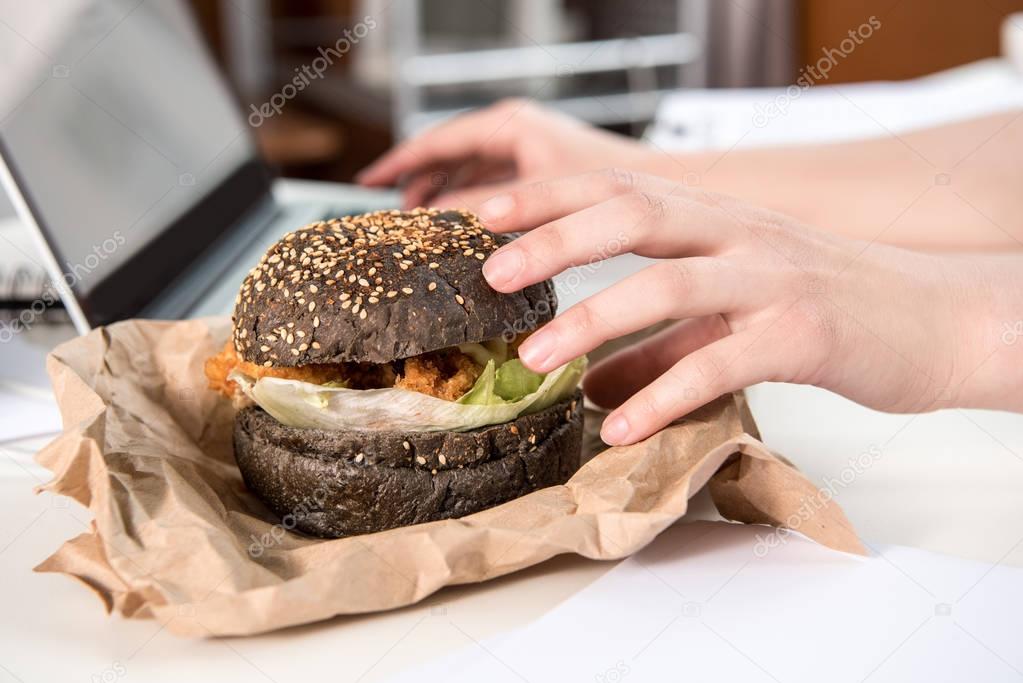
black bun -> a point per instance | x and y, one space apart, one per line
378 287
342 483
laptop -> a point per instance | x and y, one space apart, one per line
127 156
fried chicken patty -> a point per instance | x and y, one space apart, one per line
445 374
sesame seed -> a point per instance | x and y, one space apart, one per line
421 460
432 286
443 459
267 364
312 306
302 261
459 299
405 445
316 345
360 457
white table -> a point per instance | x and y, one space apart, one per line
949 482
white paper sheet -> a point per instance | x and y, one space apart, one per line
750 117
705 602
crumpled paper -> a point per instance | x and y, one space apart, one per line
176 536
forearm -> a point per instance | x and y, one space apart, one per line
989 297
958 186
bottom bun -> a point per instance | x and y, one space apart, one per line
343 483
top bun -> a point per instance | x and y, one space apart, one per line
379 287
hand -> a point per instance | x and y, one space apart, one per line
474 156
759 298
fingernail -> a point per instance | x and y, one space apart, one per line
502 267
536 351
615 430
496 208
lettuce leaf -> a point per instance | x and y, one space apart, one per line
302 404
483 352
513 380
482 392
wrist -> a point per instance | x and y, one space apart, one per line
990 366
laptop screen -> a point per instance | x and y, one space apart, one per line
124 141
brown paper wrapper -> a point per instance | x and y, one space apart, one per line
177 537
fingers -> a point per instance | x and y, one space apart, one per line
457 185
677 288
613 380
534 204
729 364
423 186
489 132
472 197
659 227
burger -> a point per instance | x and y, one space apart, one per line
377 377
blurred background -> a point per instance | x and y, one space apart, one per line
427 59
403 64
328 85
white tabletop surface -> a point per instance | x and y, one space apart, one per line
949 482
